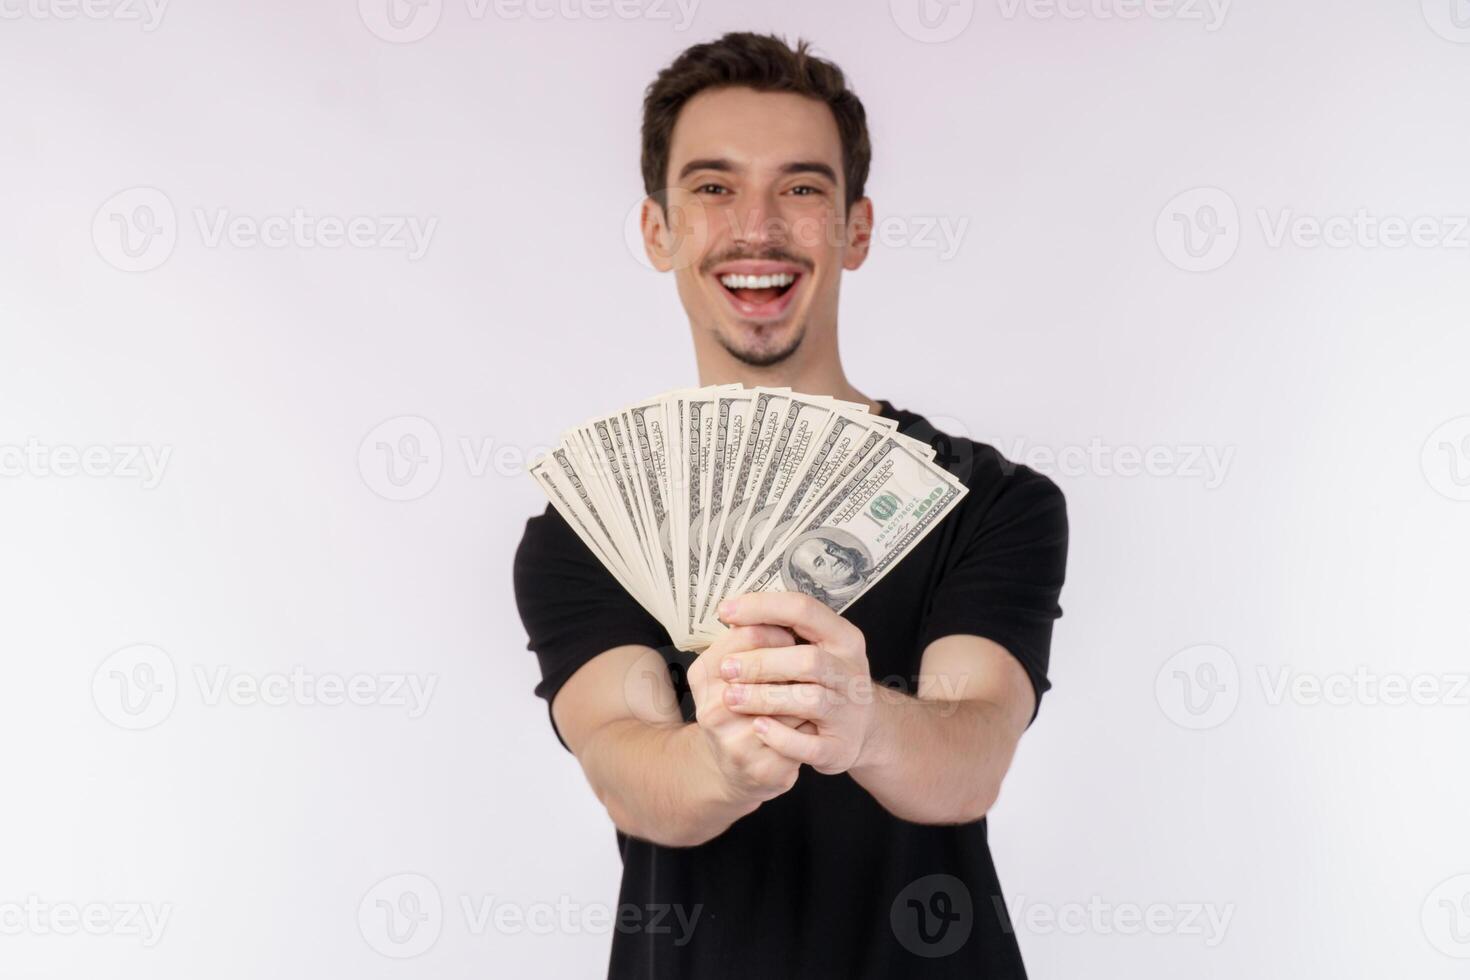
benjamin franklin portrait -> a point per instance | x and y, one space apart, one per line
828 564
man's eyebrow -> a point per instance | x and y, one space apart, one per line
725 166
712 163
810 167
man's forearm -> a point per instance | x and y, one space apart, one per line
660 782
933 761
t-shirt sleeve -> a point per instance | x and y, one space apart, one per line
1006 583
572 607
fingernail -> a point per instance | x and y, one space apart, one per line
735 694
761 724
730 668
727 608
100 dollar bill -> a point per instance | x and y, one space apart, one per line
856 535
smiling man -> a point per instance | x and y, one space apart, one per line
811 791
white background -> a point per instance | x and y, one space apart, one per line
1167 770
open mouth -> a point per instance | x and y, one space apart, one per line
759 294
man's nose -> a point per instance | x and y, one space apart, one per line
757 220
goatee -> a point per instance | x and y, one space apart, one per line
763 358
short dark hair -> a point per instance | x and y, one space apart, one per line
763 62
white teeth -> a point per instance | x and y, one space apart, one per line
757 282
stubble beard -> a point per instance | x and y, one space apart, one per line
763 358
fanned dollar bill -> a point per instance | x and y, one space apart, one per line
699 494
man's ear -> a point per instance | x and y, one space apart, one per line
859 234
674 235
655 236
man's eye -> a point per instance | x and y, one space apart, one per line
710 189
805 190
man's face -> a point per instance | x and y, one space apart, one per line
756 230
825 563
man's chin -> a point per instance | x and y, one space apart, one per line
763 347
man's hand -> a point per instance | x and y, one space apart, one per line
936 758
824 680
753 771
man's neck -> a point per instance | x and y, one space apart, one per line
825 377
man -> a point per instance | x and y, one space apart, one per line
807 797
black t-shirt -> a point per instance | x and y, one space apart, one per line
822 881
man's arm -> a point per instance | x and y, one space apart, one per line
938 758
660 779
